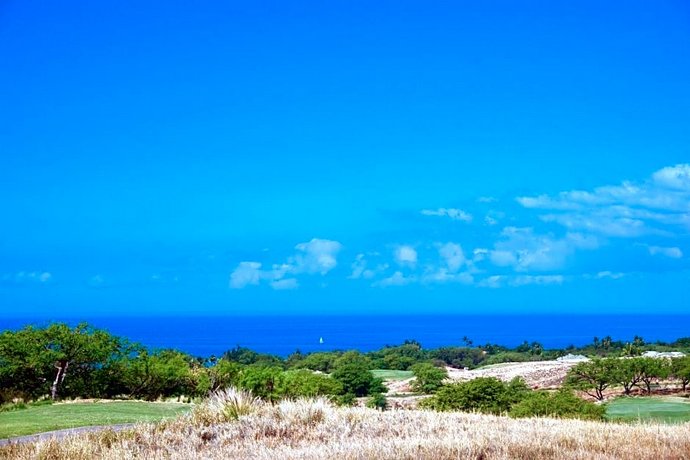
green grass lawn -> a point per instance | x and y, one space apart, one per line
387 374
37 419
667 409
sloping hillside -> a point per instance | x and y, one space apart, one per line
316 430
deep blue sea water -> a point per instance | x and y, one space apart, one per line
207 335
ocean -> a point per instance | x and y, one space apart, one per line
283 334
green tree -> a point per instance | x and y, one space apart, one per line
162 373
593 377
536 348
653 370
354 374
25 365
321 361
680 370
631 349
246 356
428 378
224 374
627 373
263 381
459 357
82 347
400 357
524 347
58 359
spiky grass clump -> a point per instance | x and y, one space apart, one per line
225 406
303 411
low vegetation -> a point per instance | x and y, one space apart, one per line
316 429
489 395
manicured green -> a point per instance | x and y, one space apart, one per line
391 374
38 419
666 409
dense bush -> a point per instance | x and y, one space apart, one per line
459 356
483 394
377 401
358 380
304 382
561 404
164 373
262 381
246 356
428 378
322 361
223 374
400 357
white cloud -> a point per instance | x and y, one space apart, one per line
443 275
360 268
313 257
610 275
498 281
278 271
524 280
628 210
452 213
612 221
493 282
318 256
406 255
397 279
452 255
287 283
479 254
524 250
672 252
22 277
675 177
246 273
503 258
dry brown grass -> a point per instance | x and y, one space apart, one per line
317 430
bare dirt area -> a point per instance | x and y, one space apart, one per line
537 374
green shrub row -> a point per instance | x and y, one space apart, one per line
492 396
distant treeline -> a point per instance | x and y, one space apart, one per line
82 361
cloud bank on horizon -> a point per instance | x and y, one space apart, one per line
543 243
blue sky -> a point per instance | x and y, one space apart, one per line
344 157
